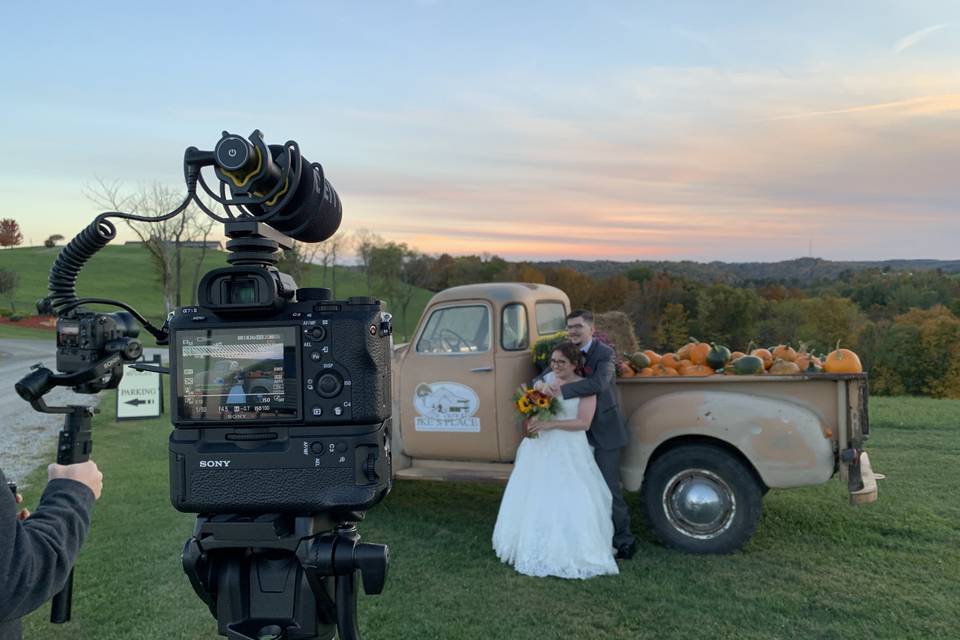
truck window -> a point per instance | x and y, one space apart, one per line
463 329
551 317
513 328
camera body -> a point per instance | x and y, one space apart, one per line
85 337
279 406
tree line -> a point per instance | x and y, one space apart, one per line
905 325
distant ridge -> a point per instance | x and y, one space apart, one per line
799 272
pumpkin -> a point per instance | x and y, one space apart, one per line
696 370
683 353
662 371
645 373
639 360
764 355
808 362
784 368
842 361
670 360
784 352
718 356
625 370
736 354
698 353
747 365
653 356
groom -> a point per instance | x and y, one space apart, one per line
607 433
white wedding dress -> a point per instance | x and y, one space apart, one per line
555 516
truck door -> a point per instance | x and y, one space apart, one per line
448 385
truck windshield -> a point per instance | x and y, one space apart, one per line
463 329
551 317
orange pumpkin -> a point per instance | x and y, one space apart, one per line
653 356
624 370
698 353
842 361
804 360
764 355
662 371
696 370
683 353
735 355
646 372
784 352
670 360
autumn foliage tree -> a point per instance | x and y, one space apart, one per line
10 235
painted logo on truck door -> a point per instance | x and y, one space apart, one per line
446 406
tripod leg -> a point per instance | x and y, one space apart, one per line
347 607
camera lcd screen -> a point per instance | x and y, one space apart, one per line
238 374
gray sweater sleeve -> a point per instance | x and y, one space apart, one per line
36 555
601 378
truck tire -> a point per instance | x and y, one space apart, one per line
702 499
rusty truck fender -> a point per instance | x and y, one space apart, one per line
785 443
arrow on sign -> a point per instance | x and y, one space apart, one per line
137 402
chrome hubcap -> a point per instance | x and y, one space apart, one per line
699 504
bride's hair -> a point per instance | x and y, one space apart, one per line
571 352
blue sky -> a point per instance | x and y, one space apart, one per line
700 130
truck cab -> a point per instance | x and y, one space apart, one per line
454 382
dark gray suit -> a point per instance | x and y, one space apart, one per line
608 432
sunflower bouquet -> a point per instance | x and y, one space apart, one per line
534 402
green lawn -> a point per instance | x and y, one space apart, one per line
816 568
125 273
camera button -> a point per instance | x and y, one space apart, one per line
341 447
316 356
338 411
318 333
329 385
317 448
317 411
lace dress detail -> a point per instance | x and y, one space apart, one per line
555 516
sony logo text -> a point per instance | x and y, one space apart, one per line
214 463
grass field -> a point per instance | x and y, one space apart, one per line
125 273
817 568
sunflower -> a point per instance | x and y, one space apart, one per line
543 402
523 404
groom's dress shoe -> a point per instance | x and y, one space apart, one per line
626 551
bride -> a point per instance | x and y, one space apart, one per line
554 518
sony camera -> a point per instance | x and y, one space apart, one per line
280 398
290 413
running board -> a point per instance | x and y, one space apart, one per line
454 471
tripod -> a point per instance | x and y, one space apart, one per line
282 577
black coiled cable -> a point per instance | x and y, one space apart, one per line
63 274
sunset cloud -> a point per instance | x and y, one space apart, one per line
917 36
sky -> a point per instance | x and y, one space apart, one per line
733 131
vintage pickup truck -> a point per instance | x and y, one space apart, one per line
703 450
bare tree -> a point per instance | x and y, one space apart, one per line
201 226
366 242
163 240
332 247
9 281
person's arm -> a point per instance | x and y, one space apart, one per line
603 376
36 555
588 406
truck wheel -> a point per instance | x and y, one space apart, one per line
701 499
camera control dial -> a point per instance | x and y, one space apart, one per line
329 384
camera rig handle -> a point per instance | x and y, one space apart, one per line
75 440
